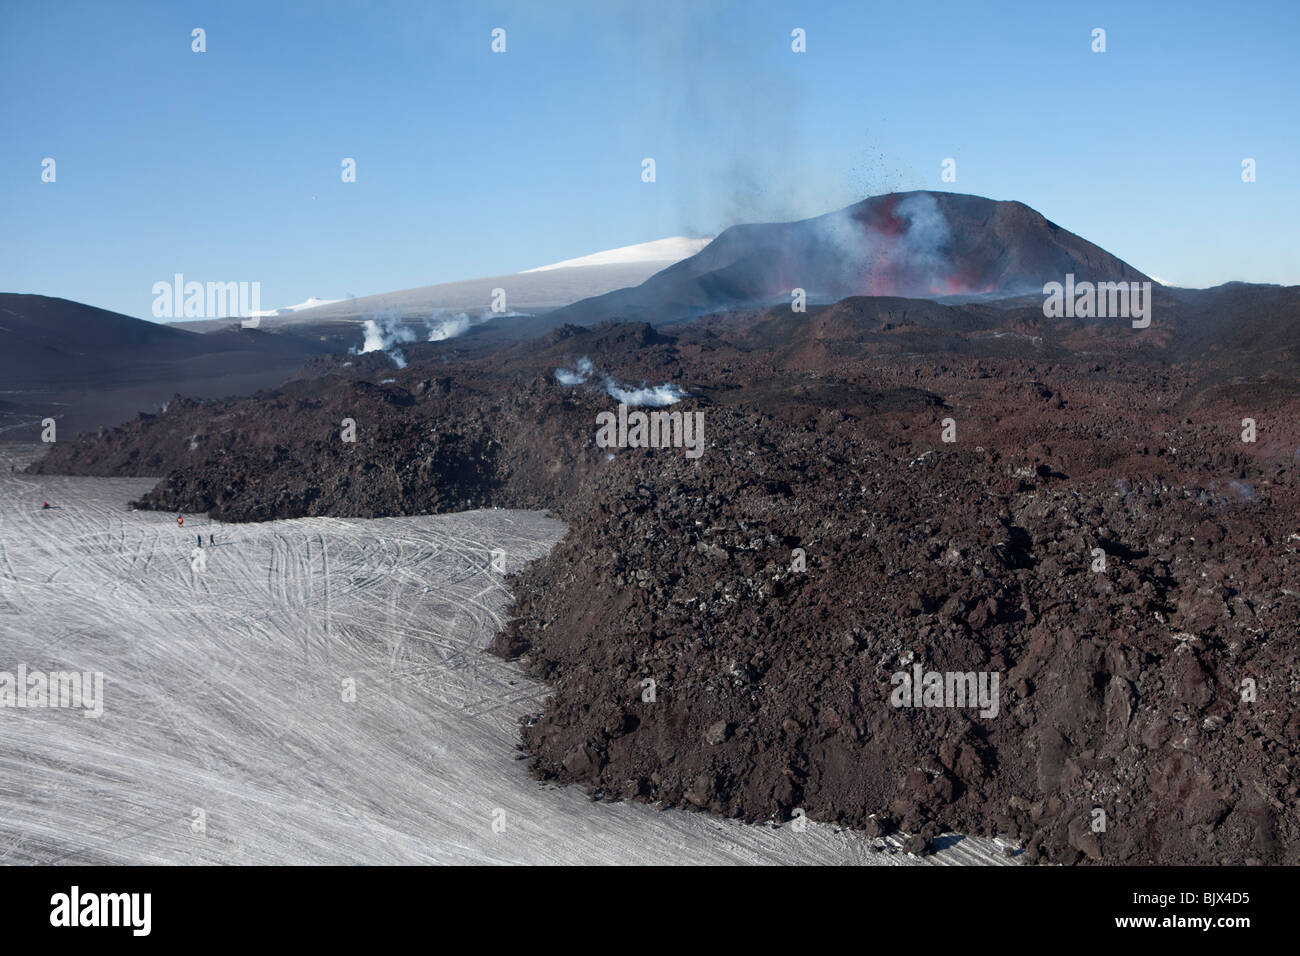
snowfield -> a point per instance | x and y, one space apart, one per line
662 252
231 732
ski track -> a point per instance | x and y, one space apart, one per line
223 693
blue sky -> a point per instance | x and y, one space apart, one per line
225 165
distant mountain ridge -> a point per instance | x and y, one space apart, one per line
86 367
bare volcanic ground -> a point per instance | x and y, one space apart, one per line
1161 690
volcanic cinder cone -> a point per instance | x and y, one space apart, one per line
913 244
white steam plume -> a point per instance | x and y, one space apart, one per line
441 329
658 396
665 394
382 333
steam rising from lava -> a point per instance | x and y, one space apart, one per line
383 333
656 396
897 248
